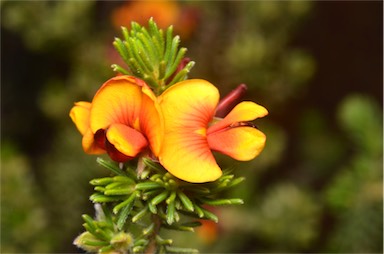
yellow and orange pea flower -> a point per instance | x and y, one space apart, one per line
164 12
191 131
179 127
123 119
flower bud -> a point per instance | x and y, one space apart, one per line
227 103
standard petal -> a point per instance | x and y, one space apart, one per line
242 143
117 101
187 108
126 139
189 104
243 112
80 115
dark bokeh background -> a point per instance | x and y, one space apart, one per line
316 66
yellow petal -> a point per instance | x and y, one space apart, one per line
117 101
80 115
243 112
187 109
242 143
126 140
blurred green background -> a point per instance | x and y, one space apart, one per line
316 66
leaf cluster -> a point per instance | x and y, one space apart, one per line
152 55
151 200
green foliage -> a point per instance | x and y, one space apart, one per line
66 19
355 194
152 55
283 206
146 203
22 223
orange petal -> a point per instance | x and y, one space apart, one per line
117 101
151 123
243 112
126 139
80 115
242 143
187 109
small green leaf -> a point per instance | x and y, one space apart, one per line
149 185
188 205
140 214
99 189
171 198
217 202
148 230
160 198
138 249
101 181
152 208
129 200
168 44
94 243
116 185
140 242
100 198
106 249
124 215
198 210
210 216
118 68
173 51
151 164
172 68
162 68
192 224
156 177
125 32
145 173
111 166
123 179
149 194
179 227
236 182
119 191
162 241
90 222
199 190
103 233
135 68
171 213
180 250
121 48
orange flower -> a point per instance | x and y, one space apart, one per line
122 120
164 12
191 131
209 230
